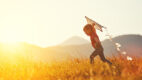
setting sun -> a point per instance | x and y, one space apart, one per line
70 40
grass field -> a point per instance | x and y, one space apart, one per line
72 70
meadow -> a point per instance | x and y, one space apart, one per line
76 69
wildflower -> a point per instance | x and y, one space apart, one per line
129 58
118 45
124 53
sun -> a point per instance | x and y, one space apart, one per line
10 42
12 35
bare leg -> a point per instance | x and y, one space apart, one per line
95 53
101 54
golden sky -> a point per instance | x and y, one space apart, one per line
50 22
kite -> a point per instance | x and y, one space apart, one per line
97 26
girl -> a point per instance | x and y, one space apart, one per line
91 32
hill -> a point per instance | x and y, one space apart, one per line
132 44
75 40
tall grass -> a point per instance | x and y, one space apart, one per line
77 69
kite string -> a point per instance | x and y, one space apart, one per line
117 45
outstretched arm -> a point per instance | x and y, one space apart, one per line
96 38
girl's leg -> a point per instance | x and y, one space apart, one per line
95 53
101 54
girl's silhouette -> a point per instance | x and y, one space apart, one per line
91 32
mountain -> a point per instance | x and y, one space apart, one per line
75 40
132 44
75 47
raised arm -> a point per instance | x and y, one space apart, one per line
96 38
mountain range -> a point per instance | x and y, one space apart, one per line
74 47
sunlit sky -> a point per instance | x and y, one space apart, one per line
50 22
